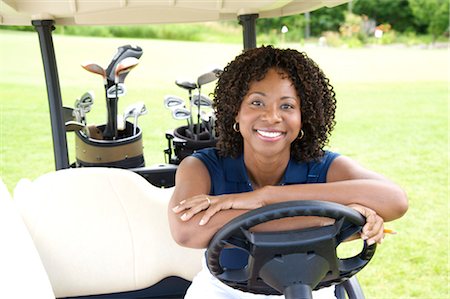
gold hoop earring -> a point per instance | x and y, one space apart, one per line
236 127
301 135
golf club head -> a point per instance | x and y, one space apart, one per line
72 126
138 108
143 109
94 68
86 101
209 77
201 100
128 112
172 102
123 68
122 53
186 84
121 91
181 113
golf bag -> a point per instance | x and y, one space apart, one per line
124 152
182 143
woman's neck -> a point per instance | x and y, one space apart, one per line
264 171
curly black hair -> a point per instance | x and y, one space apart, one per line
317 98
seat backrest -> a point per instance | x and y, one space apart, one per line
22 274
102 230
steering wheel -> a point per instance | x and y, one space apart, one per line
293 262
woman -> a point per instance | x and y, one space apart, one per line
275 112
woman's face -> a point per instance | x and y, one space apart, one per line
269 117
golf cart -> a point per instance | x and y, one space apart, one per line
109 238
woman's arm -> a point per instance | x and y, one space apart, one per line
347 183
350 183
192 184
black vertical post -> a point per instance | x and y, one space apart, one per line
248 23
44 29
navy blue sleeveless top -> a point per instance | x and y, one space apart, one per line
229 176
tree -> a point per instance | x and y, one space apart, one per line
323 19
327 19
397 13
434 14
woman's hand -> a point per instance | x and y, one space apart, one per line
214 204
373 230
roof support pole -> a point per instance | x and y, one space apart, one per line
248 23
44 29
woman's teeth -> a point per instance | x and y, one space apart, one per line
269 134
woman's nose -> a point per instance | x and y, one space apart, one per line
272 114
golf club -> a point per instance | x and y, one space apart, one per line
116 90
122 53
84 104
202 80
87 100
204 100
122 69
209 77
128 112
96 69
172 102
189 86
181 113
135 110
139 110
209 118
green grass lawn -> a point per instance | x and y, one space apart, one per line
392 117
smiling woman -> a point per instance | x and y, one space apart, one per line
310 86
275 111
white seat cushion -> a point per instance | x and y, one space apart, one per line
22 274
102 230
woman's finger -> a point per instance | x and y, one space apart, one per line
196 206
368 227
378 237
211 211
376 234
189 203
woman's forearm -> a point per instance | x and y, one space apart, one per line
191 234
385 198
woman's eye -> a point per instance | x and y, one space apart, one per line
257 103
287 106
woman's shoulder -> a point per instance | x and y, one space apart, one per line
318 169
208 154
328 157
210 157
216 163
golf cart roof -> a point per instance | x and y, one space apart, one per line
128 12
